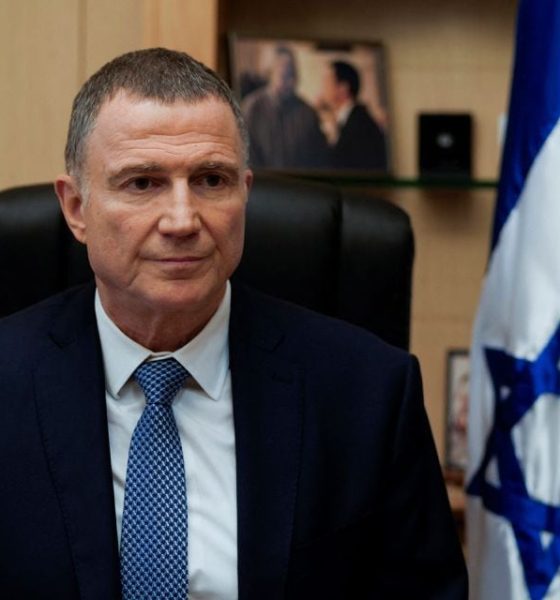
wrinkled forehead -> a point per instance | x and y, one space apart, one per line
137 117
122 102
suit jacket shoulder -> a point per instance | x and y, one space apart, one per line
28 332
315 341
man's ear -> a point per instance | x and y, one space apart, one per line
248 181
72 205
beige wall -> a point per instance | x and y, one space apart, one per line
39 66
441 55
48 49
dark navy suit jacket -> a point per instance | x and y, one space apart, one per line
361 143
339 488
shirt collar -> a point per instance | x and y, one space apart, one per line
206 356
343 112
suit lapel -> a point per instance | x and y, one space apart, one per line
70 395
267 400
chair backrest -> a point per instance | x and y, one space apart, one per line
336 252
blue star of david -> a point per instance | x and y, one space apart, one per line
517 384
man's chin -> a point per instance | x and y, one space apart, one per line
176 297
161 299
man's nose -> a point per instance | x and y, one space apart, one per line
180 215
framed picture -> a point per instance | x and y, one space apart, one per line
312 106
458 372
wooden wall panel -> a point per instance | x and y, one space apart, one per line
187 25
48 49
111 28
38 75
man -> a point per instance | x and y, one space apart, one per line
295 460
284 130
358 141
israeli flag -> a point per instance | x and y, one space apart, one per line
513 480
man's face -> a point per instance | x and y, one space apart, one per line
164 217
283 77
333 93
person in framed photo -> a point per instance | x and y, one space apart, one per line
457 419
284 130
357 140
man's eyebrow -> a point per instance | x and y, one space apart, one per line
231 170
137 169
217 165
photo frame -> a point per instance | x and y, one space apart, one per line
458 374
313 105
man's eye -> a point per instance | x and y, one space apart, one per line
140 184
213 180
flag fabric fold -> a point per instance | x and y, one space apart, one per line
513 479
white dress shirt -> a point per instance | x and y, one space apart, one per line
204 413
343 113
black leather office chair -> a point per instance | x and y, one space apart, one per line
335 252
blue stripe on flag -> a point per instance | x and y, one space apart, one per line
535 100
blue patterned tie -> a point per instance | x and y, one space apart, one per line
154 527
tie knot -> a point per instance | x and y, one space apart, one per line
160 380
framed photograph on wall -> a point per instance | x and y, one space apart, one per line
313 105
458 373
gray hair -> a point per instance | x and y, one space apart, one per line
154 73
